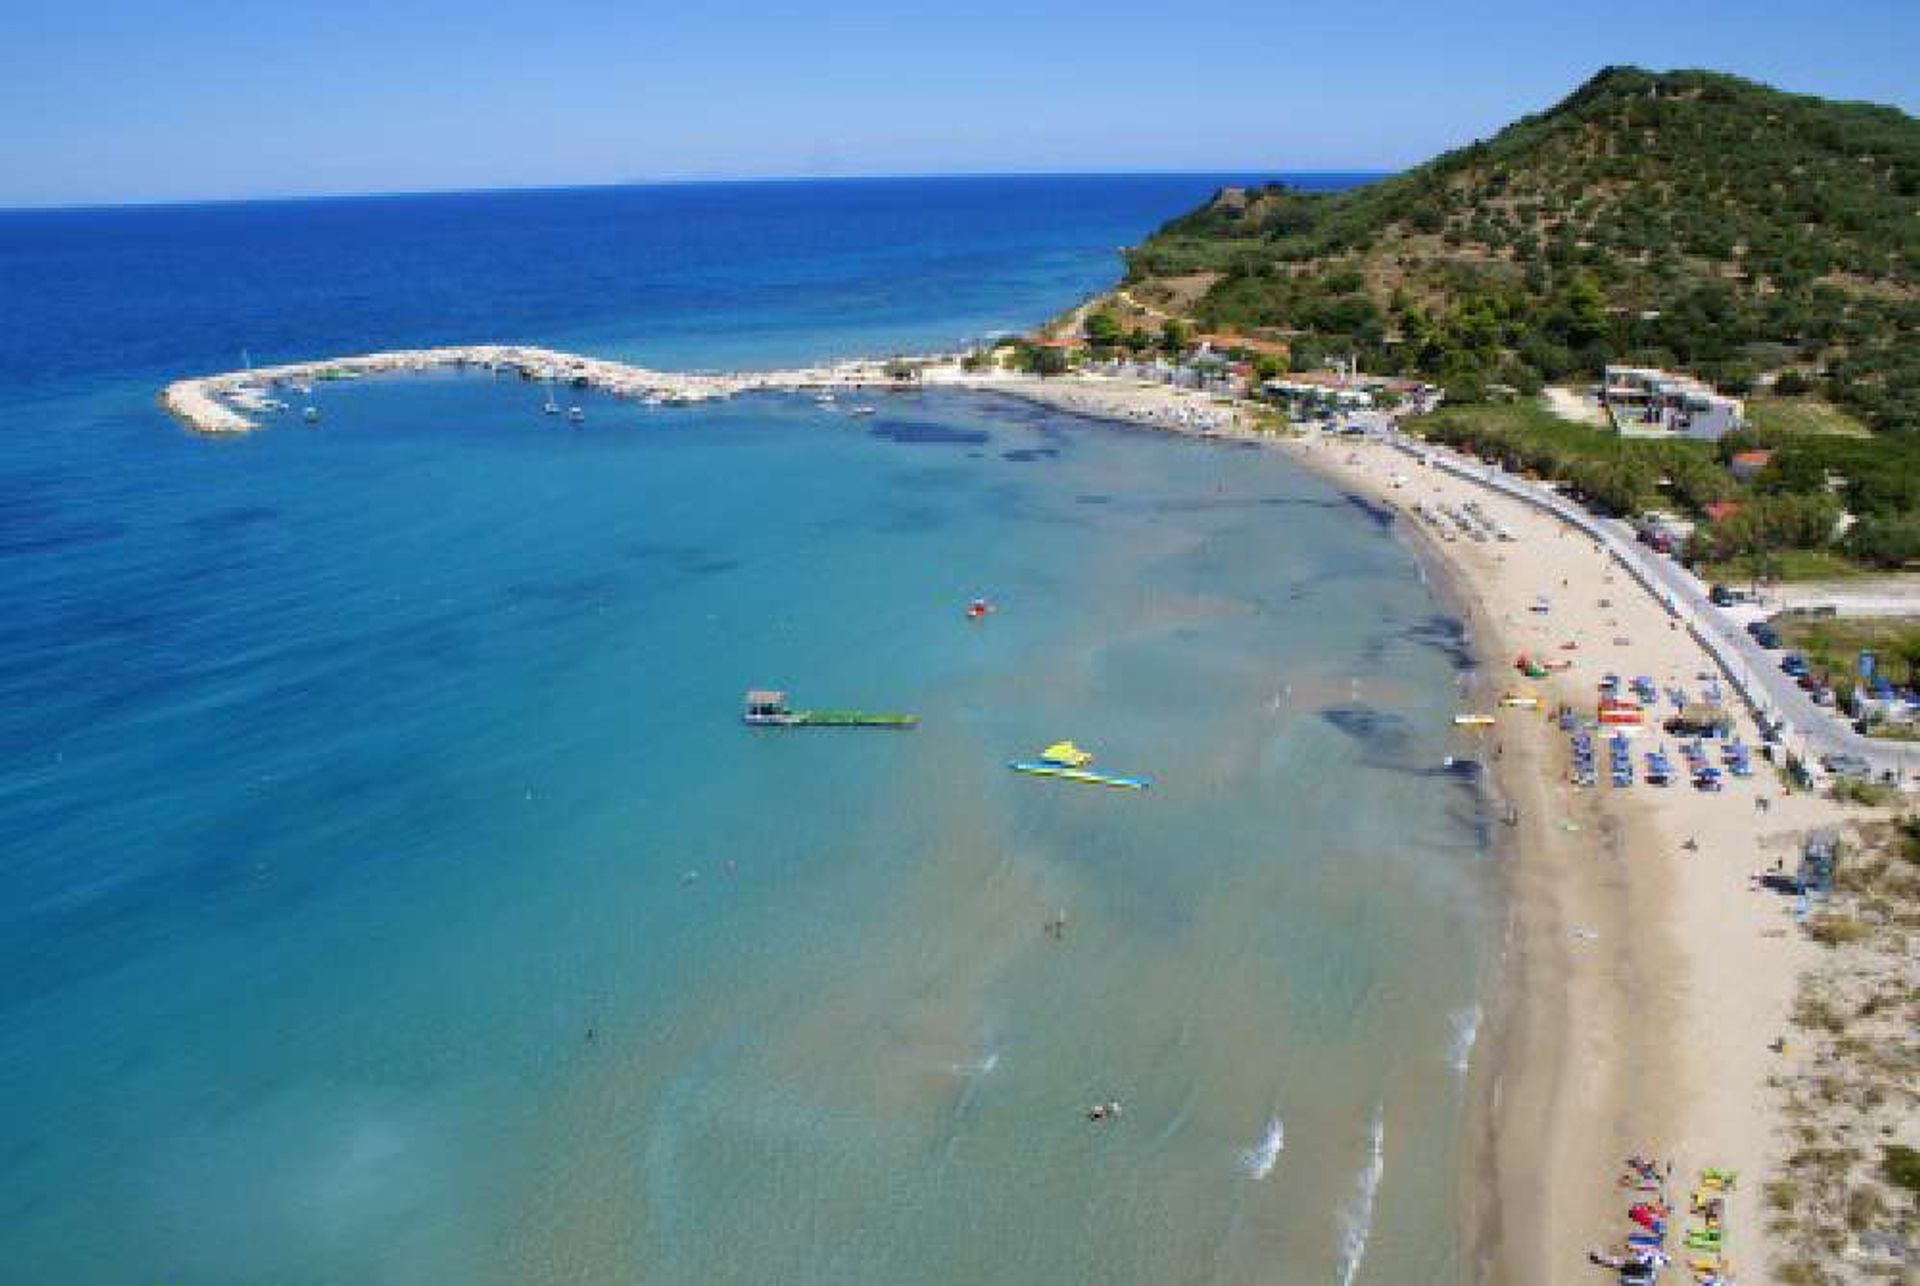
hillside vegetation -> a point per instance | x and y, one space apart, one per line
1687 218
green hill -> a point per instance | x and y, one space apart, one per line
1683 218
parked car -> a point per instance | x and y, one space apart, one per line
1721 596
1764 634
1795 664
1847 766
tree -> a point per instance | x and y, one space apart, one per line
1103 329
1044 359
1890 542
1176 336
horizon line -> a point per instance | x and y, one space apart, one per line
81 207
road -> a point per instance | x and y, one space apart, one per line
1808 730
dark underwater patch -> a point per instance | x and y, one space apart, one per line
928 433
1093 498
1382 515
1446 634
1026 455
20 538
563 591
692 559
708 565
238 518
1376 729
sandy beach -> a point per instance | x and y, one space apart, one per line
1641 977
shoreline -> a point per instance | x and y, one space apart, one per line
1628 987
1636 979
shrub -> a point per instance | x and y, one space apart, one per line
1900 1165
1837 930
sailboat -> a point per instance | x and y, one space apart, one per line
552 407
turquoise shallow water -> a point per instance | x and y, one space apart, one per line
449 761
391 894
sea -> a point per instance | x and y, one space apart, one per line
390 891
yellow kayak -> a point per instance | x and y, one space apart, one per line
1473 720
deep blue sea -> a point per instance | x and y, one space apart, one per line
390 893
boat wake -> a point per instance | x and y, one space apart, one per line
1466 1029
1258 1161
1359 1216
978 1068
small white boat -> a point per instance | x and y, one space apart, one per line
860 410
575 414
311 415
551 407
824 399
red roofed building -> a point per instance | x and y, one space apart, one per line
1721 510
1748 464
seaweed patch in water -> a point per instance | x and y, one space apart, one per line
1382 515
1448 634
1380 729
928 433
1026 455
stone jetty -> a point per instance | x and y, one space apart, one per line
230 403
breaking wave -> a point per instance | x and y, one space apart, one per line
1258 1161
1466 1029
1359 1216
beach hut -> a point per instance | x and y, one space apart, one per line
764 705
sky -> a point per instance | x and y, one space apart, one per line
202 99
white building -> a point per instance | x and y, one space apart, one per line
1645 402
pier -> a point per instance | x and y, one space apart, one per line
220 404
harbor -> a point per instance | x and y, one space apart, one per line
239 401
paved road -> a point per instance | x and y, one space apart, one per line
1809 730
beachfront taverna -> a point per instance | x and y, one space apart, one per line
1645 402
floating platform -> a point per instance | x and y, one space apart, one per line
766 708
1041 768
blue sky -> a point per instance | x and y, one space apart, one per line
217 98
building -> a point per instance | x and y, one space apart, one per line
1747 465
1645 402
1304 397
1666 532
